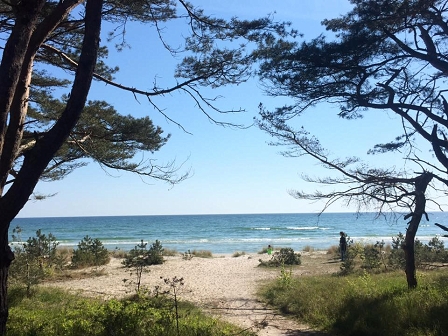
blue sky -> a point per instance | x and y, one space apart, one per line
233 171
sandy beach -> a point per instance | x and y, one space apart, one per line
224 286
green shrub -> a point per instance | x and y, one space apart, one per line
34 260
139 258
371 258
90 252
285 256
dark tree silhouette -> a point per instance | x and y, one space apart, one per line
385 57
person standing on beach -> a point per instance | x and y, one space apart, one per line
342 245
269 250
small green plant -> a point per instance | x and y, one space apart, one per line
35 259
139 258
396 258
174 286
187 255
90 252
371 256
285 277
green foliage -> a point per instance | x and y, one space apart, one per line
397 258
366 304
378 257
90 252
353 250
53 312
285 256
139 258
35 259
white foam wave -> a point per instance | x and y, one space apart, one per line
302 227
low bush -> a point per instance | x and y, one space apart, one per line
90 252
285 256
35 259
379 257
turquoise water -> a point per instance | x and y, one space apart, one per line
228 233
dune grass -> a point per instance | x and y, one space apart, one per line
369 305
202 253
53 312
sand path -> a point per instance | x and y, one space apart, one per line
224 286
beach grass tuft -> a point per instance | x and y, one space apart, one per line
238 254
202 253
170 252
308 248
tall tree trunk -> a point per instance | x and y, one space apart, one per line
409 243
37 159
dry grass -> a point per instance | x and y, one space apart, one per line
170 252
238 254
308 248
202 253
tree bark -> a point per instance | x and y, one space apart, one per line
37 159
409 244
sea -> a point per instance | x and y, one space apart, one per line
227 234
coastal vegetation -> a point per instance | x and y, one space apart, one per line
139 258
54 312
285 256
364 303
376 258
90 252
368 288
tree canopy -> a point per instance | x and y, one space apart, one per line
51 53
387 57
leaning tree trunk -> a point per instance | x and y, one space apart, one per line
409 244
37 158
